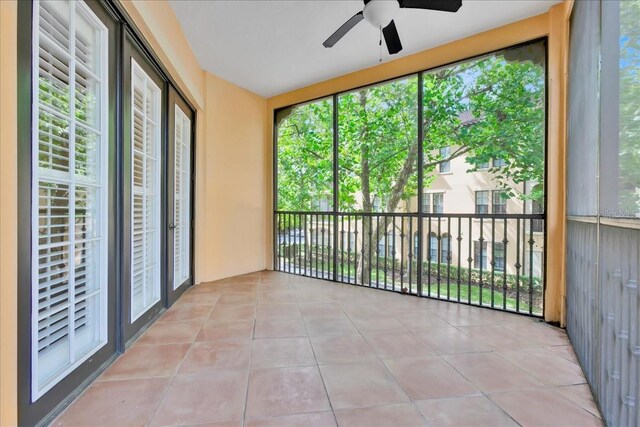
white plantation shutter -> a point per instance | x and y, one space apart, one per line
69 190
182 205
145 181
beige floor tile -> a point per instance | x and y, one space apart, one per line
376 324
341 349
275 310
396 344
565 351
171 333
229 354
280 328
580 394
491 373
330 326
321 309
401 415
546 366
126 402
317 419
278 352
449 341
497 337
359 385
186 313
285 391
429 378
203 397
544 407
420 320
146 361
224 331
469 411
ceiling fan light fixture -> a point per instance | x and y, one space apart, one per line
379 13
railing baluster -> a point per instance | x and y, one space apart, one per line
429 257
518 265
402 236
469 259
411 249
377 247
459 238
448 258
370 266
393 255
531 242
439 254
505 241
306 244
481 240
493 258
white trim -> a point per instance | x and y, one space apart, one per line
137 70
37 389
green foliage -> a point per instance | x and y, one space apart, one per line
629 120
489 108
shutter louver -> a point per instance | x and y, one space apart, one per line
182 191
69 257
145 183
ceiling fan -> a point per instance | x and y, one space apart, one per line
380 13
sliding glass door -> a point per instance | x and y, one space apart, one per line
143 154
71 321
180 184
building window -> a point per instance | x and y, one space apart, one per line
445 253
426 203
499 202
499 163
433 247
537 225
376 204
323 204
416 244
498 256
537 263
484 165
438 202
482 202
445 152
480 255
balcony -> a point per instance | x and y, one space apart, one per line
274 349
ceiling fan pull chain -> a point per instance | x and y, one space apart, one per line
380 43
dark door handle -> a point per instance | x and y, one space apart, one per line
172 226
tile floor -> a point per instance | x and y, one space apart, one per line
271 349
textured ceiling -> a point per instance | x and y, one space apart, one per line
270 47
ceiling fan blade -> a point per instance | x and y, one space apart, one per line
441 5
392 38
344 29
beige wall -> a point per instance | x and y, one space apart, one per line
234 199
8 213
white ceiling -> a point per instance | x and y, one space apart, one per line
274 46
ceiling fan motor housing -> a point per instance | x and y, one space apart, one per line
380 12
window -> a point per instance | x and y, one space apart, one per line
537 263
304 154
182 205
499 163
416 244
438 202
386 245
445 153
445 252
498 256
323 205
537 225
482 202
433 247
480 255
483 165
499 202
426 203
376 204
145 194
69 188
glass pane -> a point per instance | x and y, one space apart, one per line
305 157
378 148
487 111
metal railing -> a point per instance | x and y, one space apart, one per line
489 260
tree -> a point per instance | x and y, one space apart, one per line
488 108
